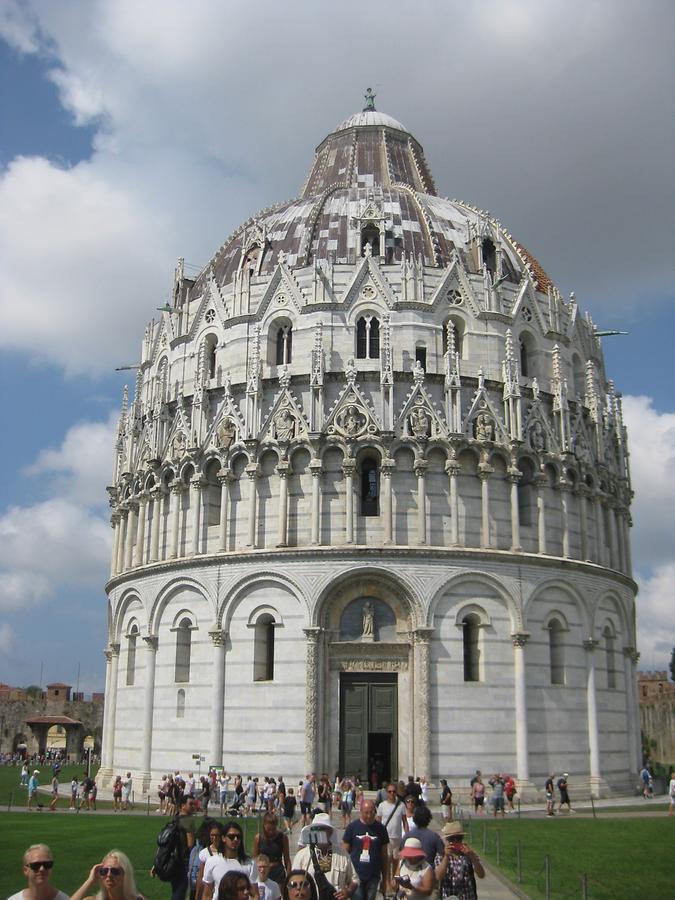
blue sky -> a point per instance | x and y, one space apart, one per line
155 136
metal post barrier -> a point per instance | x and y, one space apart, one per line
518 807
593 807
485 842
547 877
498 845
148 813
11 800
584 887
470 831
519 862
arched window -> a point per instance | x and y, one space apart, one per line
263 649
284 349
556 652
251 261
368 338
370 488
489 256
210 346
370 234
421 356
471 634
527 496
526 356
183 650
457 327
132 638
180 704
608 635
578 376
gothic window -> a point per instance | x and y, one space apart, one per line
556 649
578 377
210 346
214 491
183 650
489 256
368 338
421 356
471 634
180 704
370 234
526 356
132 638
527 495
251 260
370 488
608 635
284 345
263 648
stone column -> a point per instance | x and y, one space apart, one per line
217 702
317 472
626 543
148 708
196 503
112 655
422 700
583 523
592 708
115 522
140 531
484 474
629 687
224 477
541 481
387 471
613 548
131 529
620 543
176 501
599 530
124 515
520 684
349 467
156 496
514 478
313 692
105 770
564 514
420 472
453 471
252 473
283 470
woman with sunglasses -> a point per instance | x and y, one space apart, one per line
210 843
275 845
114 877
299 886
234 859
236 886
38 863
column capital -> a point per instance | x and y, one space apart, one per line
316 467
113 649
423 635
313 634
590 644
484 471
217 636
632 654
252 471
514 474
225 476
133 504
197 483
151 642
283 469
349 466
143 498
177 487
387 467
520 638
123 510
541 479
420 467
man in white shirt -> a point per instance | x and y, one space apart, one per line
127 784
191 785
224 786
391 812
37 868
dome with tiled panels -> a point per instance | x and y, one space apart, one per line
369 160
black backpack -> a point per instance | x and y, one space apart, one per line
170 856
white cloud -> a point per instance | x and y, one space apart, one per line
201 122
7 638
651 440
82 463
656 621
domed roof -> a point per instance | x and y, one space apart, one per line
369 172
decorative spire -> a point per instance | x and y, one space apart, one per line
370 100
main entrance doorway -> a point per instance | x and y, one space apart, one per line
369 727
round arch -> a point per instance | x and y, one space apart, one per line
489 581
130 600
366 581
567 589
168 592
231 596
611 598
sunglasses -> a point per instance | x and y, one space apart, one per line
42 864
234 836
297 885
109 870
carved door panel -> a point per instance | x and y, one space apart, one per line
368 722
354 727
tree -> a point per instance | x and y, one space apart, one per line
672 665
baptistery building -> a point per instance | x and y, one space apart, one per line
370 501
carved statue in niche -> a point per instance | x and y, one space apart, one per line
226 433
484 428
284 425
537 436
419 422
353 421
368 632
178 445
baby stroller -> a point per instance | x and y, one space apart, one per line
238 808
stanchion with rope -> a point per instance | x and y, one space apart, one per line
593 807
519 862
485 837
148 812
547 877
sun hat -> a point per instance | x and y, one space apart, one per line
320 821
412 847
452 828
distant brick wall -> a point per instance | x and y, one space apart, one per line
657 715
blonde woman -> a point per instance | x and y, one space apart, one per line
114 878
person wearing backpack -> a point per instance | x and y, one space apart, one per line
174 844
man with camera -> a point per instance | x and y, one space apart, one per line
366 842
328 864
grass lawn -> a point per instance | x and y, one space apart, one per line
11 789
78 842
619 858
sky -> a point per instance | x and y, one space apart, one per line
133 132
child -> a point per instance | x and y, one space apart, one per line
289 810
267 889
